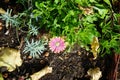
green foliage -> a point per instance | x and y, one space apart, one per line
110 34
10 20
35 48
29 22
53 15
27 4
76 20
84 3
33 30
22 2
61 18
73 20
17 21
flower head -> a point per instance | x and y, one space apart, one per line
57 44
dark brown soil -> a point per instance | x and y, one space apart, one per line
72 66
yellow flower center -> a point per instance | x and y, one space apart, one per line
57 43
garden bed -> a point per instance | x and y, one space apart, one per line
78 63
71 66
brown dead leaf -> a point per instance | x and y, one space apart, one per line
86 10
46 54
1 77
2 11
95 73
95 46
6 1
10 58
61 58
1 26
41 73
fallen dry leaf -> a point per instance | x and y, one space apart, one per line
2 11
86 10
46 54
41 73
10 58
95 46
6 1
1 26
1 77
95 73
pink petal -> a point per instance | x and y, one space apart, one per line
54 47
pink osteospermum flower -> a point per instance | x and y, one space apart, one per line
57 44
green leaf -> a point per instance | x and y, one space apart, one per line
90 18
92 1
37 5
56 1
108 2
78 1
71 12
83 2
113 43
101 11
118 15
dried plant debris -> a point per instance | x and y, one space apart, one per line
10 58
1 26
95 46
87 10
1 78
41 73
2 11
94 73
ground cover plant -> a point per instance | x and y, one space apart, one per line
75 39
